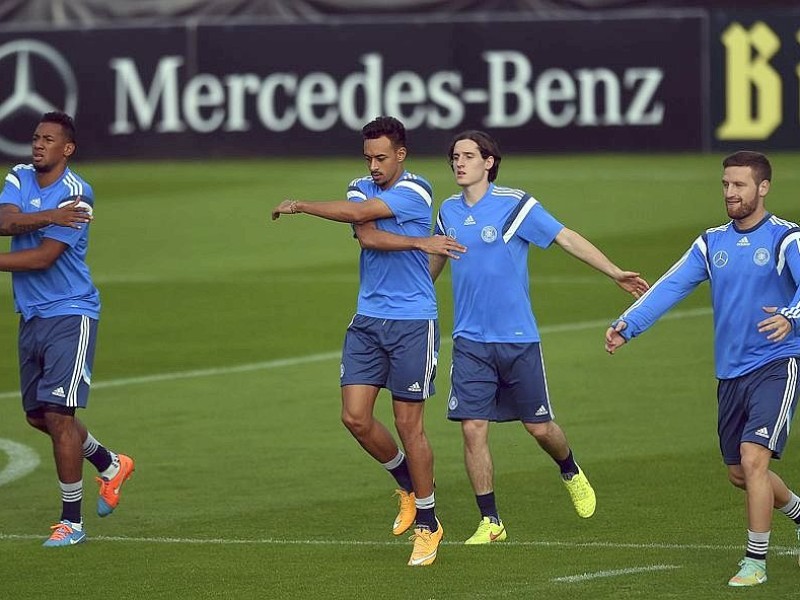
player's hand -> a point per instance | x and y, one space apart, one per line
442 245
632 283
614 339
70 215
287 207
777 325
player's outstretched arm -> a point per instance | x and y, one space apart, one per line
14 222
614 337
343 211
581 248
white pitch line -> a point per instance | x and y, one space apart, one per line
373 543
21 461
614 573
321 357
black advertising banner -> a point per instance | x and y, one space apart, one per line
259 89
755 76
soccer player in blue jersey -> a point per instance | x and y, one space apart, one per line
752 263
47 209
497 369
393 340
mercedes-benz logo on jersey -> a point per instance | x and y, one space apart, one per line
488 234
761 257
32 63
451 232
720 259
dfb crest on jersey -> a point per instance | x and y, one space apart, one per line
761 257
488 234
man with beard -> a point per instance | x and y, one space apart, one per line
47 209
753 265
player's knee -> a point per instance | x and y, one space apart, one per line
355 424
541 431
736 477
474 431
35 419
408 426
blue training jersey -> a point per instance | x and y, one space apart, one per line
65 288
397 285
490 281
747 270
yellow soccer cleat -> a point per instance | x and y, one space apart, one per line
407 512
426 544
752 572
582 494
488 532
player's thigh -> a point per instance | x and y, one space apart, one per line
523 393
413 349
65 348
473 382
364 359
772 402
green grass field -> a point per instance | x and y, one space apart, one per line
217 369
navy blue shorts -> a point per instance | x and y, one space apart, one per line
498 382
394 354
757 407
55 361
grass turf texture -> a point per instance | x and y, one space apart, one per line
248 486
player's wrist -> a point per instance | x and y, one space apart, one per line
784 313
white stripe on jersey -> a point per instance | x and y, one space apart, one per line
13 180
75 186
700 244
529 204
778 221
80 363
440 224
507 191
720 228
792 237
786 404
413 185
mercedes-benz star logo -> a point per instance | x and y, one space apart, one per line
24 96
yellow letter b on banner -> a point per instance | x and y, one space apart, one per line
753 92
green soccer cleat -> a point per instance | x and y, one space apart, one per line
582 494
752 572
488 532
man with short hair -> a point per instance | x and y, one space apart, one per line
752 263
498 370
393 340
47 209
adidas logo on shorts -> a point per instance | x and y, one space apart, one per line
414 387
763 432
59 391
541 411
